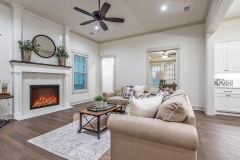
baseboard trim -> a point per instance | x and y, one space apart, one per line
81 101
19 117
197 108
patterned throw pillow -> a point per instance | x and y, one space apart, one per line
128 93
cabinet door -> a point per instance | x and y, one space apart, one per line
221 101
234 103
232 56
220 57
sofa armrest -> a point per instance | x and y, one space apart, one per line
108 94
155 130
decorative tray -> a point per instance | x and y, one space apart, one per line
95 109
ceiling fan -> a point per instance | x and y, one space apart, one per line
100 16
164 54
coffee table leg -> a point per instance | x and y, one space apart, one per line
121 110
98 127
80 123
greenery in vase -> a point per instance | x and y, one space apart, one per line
98 98
61 52
29 45
104 99
4 83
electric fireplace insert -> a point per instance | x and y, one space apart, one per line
43 96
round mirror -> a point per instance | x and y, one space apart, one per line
48 48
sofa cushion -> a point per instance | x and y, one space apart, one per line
146 89
145 107
177 93
118 99
138 91
174 109
118 90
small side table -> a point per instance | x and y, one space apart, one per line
2 121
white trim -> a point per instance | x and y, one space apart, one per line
14 5
198 108
227 40
81 101
22 117
86 55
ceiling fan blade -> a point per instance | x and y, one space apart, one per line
87 22
103 25
111 19
82 11
104 9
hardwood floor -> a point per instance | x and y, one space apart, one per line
219 136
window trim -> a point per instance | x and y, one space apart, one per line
79 53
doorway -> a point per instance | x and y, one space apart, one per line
107 74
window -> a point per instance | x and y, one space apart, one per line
155 82
170 72
80 73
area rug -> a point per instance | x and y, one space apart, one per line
66 143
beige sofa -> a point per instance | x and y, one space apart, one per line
139 138
116 95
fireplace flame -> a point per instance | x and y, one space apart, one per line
45 100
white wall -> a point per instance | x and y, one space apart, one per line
6 45
131 58
228 30
81 44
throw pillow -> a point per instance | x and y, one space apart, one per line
145 107
177 93
128 93
146 89
118 90
174 109
139 90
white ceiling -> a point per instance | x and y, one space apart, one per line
234 10
140 16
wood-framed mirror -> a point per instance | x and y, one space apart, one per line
48 48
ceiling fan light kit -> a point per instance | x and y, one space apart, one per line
100 16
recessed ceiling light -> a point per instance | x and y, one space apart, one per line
163 8
96 27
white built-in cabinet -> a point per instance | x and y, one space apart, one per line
227 57
227 100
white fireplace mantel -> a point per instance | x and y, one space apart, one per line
19 67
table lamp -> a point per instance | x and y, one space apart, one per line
161 75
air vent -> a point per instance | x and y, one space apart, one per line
186 8
91 33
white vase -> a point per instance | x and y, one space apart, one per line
105 104
99 104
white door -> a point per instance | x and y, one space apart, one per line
234 103
107 74
221 101
232 56
220 57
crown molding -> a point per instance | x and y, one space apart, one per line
76 33
155 31
231 18
5 3
14 5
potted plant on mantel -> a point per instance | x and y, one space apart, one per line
62 54
27 47
4 86
98 101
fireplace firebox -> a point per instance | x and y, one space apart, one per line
43 96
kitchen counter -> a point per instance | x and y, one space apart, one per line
228 87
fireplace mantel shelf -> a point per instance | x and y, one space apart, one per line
33 63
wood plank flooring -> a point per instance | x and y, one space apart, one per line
219 136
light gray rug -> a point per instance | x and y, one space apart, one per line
66 143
